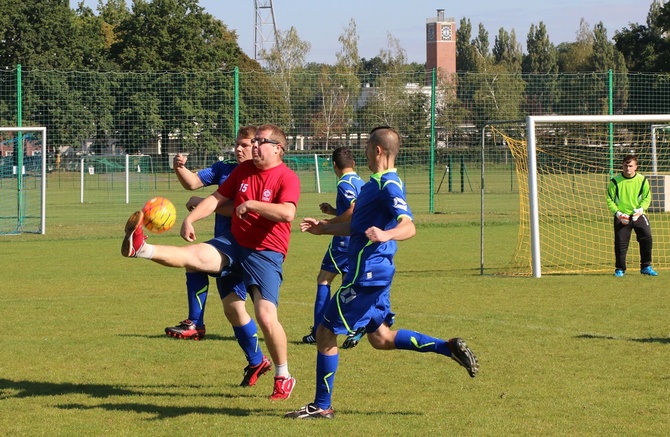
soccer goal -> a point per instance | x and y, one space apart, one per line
23 180
315 171
115 177
563 165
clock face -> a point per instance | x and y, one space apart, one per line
431 32
446 32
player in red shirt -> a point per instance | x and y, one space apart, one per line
264 194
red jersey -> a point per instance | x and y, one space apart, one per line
276 185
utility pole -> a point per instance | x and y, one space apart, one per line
265 27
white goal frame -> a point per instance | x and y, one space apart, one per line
43 195
127 171
531 122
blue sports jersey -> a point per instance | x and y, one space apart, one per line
348 188
381 202
215 175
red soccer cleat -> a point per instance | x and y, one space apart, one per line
283 388
134 239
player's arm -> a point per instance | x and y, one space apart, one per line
320 227
345 217
224 208
277 212
205 208
327 208
186 177
403 231
611 194
646 195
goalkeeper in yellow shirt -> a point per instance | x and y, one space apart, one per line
628 196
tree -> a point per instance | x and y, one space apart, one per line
481 43
38 34
339 91
507 50
541 57
285 60
646 48
397 99
93 41
540 68
586 63
466 53
173 35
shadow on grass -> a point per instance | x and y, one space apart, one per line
215 337
662 340
25 389
169 412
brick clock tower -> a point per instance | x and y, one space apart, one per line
441 44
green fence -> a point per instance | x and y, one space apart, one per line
92 114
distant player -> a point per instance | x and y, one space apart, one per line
335 260
628 196
381 217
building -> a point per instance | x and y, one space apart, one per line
441 45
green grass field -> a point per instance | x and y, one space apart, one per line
84 351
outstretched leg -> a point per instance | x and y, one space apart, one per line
202 257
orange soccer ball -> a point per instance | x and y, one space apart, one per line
159 215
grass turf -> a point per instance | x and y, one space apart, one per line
84 351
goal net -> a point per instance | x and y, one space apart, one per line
563 165
22 180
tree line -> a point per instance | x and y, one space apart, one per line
162 69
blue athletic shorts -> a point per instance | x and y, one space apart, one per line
231 284
352 308
228 247
262 268
335 261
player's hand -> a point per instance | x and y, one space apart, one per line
637 213
179 161
327 208
188 231
313 226
376 235
193 202
243 210
623 218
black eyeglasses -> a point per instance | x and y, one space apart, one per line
262 141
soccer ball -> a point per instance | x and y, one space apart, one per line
159 215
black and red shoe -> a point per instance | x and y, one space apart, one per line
186 330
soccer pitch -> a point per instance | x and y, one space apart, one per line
84 351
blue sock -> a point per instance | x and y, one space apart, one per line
326 366
197 286
322 299
247 338
418 342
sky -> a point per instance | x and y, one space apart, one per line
321 23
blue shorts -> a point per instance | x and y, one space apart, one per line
335 261
231 284
262 268
227 246
352 308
